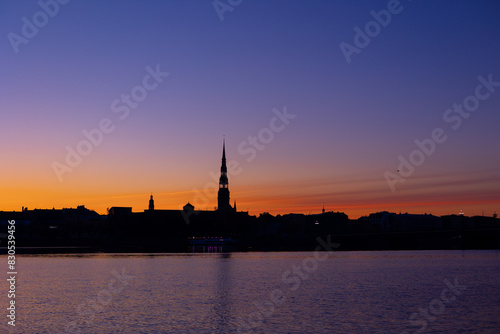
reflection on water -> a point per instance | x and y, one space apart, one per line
223 292
211 249
349 292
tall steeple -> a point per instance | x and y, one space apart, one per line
223 168
223 195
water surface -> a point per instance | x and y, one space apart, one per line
289 292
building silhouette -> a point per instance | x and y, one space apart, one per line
151 203
223 194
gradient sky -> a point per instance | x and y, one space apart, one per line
352 120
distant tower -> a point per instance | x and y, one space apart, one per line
234 206
151 203
223 195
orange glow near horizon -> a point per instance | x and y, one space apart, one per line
102 182
274 202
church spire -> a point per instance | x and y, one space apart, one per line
223 194
223 167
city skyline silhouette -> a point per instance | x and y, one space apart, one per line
225 229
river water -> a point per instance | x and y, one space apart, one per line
281 292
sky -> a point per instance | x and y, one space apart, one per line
354 106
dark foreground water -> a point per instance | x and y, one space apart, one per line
343 292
